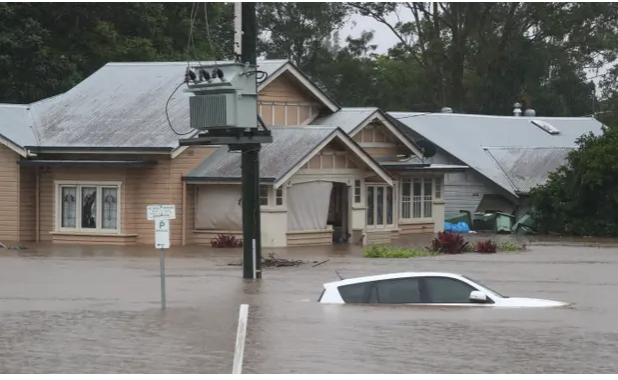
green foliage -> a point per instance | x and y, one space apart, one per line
472 57
392 252
47 48
509 247
581 197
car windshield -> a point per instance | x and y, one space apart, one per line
488 289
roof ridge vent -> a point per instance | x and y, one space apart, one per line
546 127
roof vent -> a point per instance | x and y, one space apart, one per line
446 110
530 112
546 127
517 109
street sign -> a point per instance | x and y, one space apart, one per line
162 233
161 211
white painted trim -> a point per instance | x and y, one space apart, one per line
375 226
273 103
178 151
378 115
310 120
94 151
285 114
90 231
315 91
376 168
298 115
377 145
14 147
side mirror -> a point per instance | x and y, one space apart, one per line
478 297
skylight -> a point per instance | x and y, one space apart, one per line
546 127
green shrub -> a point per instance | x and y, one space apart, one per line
509 247
392 252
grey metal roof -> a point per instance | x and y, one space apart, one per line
346 118
16 125
466 136
527 168
290 145
122 105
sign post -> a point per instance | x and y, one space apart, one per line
162 214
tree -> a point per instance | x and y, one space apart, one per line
481 57
298 31
581 197
46 48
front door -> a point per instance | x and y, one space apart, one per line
379 207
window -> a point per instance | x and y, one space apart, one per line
397 291
279 197
354 293
447 290
263 195
437 183
416 198
379 206
357 191
88 207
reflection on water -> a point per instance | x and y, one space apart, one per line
87 310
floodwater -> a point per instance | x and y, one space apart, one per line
97 310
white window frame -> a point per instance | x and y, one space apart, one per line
268 195
58 185
384 226
282 197
360 194
423 200
438 188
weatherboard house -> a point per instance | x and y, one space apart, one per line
83 166
507 156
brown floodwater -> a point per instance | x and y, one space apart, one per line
97 310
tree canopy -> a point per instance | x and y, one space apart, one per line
472 57
581 197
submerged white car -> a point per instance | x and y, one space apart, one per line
422 288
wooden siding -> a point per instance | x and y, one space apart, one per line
379 237
9 195
204 237
141 187
93 239
27 204
333 156
415 228
305 238
379 142
285 102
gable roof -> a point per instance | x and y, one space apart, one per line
121 105
303 79
527 168
291 148
353 119
466 136
16 129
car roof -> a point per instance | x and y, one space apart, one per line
389 276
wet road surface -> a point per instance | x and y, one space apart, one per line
76 311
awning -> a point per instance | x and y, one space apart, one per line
88 163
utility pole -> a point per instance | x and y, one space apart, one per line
240 130
251 215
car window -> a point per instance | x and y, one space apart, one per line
447 290
401 290
354 293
